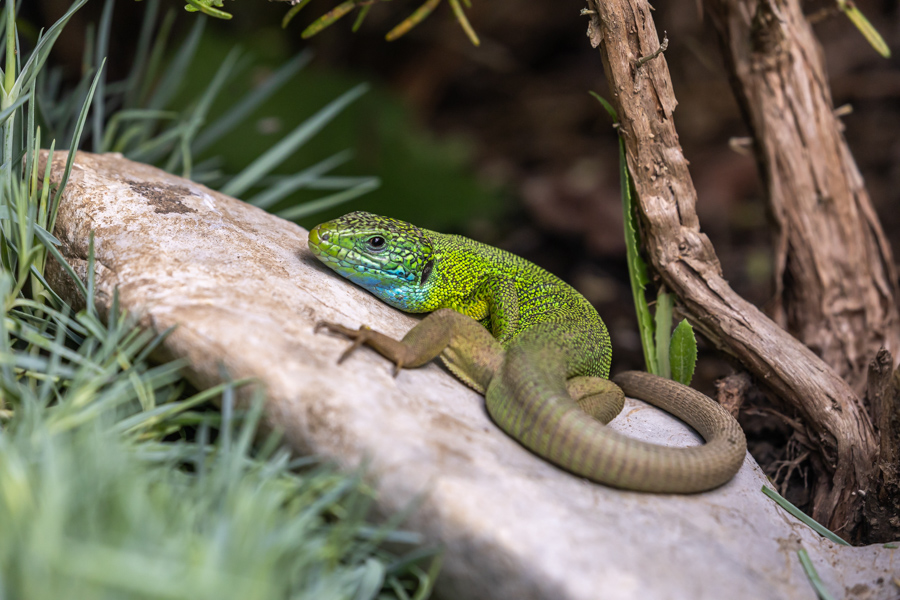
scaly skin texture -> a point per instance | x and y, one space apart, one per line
534 346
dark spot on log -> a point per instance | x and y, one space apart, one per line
164 199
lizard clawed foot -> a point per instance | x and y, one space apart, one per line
364 335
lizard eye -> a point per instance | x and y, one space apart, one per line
375 242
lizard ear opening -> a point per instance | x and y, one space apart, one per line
426 272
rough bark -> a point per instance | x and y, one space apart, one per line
880 395
836 284
882 506
686 261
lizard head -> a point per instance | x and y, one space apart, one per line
390 258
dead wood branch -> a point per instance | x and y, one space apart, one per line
686 261
836 285
879 393
882 507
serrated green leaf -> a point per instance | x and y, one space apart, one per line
683 353
637 269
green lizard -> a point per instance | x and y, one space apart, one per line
534 346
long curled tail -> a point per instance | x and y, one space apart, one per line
528 400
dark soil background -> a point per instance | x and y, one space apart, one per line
520 102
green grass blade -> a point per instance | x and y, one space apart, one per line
328 19
637 269
363 13
51 248
240 110
110 140
102 50
813 575
799 514
66 119
147 419
141 55
302 179
156 147
32 141
371 578
177 70
198 115
76 138
156 58
311 208
300 135
38 56
335 183
12 108
289 15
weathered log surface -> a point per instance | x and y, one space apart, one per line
243 291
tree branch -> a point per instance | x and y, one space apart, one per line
836 285
687 263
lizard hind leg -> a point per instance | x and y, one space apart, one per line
599 397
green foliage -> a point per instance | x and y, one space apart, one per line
348 6
667 354
92 513
215 110
342 9
148 118
420 179
813 575
637 268
663 328
799 514
683 353
97 501
208 7
116 480
849 8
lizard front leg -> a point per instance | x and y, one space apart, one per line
464 345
